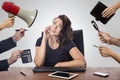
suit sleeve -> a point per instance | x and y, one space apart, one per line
7 44
4 65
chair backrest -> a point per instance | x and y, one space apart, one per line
78 39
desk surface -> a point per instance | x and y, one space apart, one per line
14 74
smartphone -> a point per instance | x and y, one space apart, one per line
62 74
101 74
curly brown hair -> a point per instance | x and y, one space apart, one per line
66 31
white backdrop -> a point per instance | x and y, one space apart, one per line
79 13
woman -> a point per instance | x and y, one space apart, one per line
56 47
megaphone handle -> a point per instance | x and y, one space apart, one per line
10 15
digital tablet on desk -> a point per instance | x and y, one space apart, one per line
62 74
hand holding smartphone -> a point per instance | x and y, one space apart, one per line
62 74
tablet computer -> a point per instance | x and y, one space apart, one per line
97 12
62 74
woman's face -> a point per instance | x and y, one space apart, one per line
56 27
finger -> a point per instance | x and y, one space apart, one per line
104 13
12 18
101 52
22 34
18 55
99 34
102 38
103 41
110 14
48 28
20 51
22 30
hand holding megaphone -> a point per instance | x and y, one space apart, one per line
14 10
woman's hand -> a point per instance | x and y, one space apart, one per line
46 33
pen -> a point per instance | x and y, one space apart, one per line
19 30
96 46
23 73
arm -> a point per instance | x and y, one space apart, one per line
116 57
40 54
111 10
7 44
4 65
11 42
106 52
115 41
78 59
41 50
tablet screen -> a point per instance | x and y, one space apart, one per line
62 74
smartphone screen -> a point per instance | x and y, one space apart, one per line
61 74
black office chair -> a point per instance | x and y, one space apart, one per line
78 40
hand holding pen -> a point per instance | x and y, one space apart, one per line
18 35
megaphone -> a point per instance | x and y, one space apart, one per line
14 10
